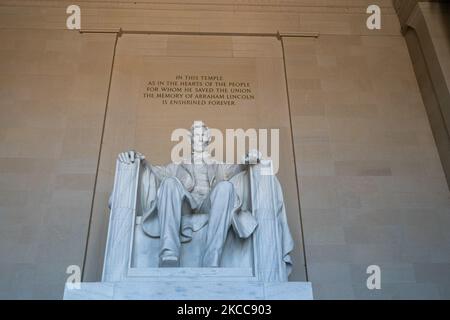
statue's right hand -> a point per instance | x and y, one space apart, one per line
129 157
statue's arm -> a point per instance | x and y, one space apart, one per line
251 158
231 170
129 157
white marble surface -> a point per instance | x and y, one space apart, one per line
191 290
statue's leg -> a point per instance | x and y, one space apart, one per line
222 203
171 195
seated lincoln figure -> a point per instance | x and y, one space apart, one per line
190 196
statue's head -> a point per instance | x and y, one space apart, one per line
200 136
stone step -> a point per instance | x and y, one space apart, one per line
189 290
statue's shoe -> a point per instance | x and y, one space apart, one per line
169 262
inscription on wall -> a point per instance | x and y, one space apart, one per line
200 90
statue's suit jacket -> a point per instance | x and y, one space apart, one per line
194 219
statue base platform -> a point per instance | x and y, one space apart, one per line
189 290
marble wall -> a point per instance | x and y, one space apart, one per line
372 186
425 26
431 37
53 88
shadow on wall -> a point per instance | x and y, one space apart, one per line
445 18
430 59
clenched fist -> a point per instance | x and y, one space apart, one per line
253 157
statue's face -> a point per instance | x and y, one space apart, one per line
200 138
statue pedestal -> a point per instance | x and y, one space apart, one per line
190 290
